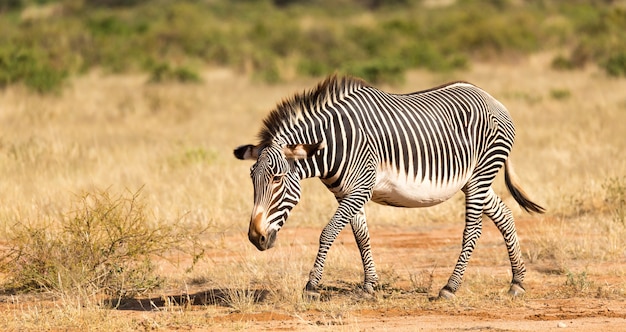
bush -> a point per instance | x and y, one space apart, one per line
560 94
601 33
378 71
615 65
29 66
262 37
561 62
163 72
425 55
103 246
6 5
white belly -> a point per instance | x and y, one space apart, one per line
399 190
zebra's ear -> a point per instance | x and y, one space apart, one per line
302 151
247 152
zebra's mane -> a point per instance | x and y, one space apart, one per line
289 111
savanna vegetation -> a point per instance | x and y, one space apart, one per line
119 188
43 42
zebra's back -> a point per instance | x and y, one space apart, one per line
428 143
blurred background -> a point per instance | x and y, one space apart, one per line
43 42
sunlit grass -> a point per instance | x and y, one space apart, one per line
175 141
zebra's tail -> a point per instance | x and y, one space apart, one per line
510 179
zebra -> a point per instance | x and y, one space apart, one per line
405 150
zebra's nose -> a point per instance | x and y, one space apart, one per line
256 234
261 241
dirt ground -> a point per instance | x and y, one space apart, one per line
425 252
549 305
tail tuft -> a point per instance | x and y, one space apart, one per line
510 179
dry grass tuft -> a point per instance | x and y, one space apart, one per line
103 246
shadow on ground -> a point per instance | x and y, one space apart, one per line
228 296
217 297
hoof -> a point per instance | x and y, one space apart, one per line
516 290
368 288
311 296
311 293
445 294
366 292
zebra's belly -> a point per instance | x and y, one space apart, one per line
403 191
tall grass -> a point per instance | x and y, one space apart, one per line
175 141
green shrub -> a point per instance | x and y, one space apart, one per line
601 32
109 24
113 3
378 71
427 56
262 65
265 38
561 62
163 72
560 94
578 283
313 68
6 5
615 65
29 66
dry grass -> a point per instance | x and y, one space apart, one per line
176 141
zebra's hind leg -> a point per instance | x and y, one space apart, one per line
362 237
503 218
474 202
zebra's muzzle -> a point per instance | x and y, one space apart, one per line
262 241
259 235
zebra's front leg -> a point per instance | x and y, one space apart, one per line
362 237
474 202
328 236
346 212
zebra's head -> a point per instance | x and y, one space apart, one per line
276 182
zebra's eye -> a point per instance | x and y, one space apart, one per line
277 179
